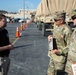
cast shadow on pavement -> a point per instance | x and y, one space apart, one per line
22 46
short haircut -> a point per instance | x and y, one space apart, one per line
2 16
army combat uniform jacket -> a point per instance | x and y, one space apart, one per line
72 53
62 35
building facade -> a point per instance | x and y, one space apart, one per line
22 13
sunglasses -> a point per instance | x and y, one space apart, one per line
56 20
73 17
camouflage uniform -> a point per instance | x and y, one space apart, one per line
71 54
58 61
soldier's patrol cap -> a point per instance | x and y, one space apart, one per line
58 15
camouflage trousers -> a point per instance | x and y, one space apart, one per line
68 68
55 68
4 65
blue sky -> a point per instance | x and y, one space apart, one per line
15 5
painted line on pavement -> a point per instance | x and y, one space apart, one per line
15 41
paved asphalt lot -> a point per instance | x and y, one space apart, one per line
29 56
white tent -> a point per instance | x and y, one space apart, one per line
45 10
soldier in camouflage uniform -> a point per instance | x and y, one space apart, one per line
58 56
72 50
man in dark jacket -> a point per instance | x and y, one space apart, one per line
5 46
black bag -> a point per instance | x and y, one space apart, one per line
54 44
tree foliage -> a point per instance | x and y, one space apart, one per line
3 12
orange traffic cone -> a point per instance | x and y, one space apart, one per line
21 27
17 32
25 25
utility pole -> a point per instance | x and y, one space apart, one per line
27 12
24 10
